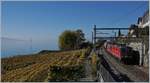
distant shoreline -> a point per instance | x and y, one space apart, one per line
39 52
27 54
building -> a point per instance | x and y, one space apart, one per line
133 31
141 32
144 20
142 26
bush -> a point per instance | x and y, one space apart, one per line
66 73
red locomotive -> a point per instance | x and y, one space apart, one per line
122 52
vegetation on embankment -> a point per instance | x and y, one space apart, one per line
94 63
44 67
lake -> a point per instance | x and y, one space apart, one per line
12 47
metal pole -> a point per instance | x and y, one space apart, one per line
92 37
31 44
94 34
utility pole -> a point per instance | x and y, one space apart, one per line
119 33
94 34
115 34
92 37
30 44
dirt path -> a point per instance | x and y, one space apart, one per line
88 71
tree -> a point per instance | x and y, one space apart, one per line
67 40
70 40
80 37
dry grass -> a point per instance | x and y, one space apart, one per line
35 67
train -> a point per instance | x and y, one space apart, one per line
122 52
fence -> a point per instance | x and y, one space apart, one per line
102 69
104 75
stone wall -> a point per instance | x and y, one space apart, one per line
142 48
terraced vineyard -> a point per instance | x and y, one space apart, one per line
38 67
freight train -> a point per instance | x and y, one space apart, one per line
122 52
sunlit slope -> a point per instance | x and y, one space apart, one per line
38 67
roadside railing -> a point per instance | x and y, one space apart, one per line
105 75
102 73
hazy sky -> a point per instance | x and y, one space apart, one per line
44 21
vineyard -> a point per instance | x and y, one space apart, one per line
55 66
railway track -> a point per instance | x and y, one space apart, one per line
122 72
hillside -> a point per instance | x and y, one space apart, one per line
44 67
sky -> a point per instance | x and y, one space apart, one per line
43 22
